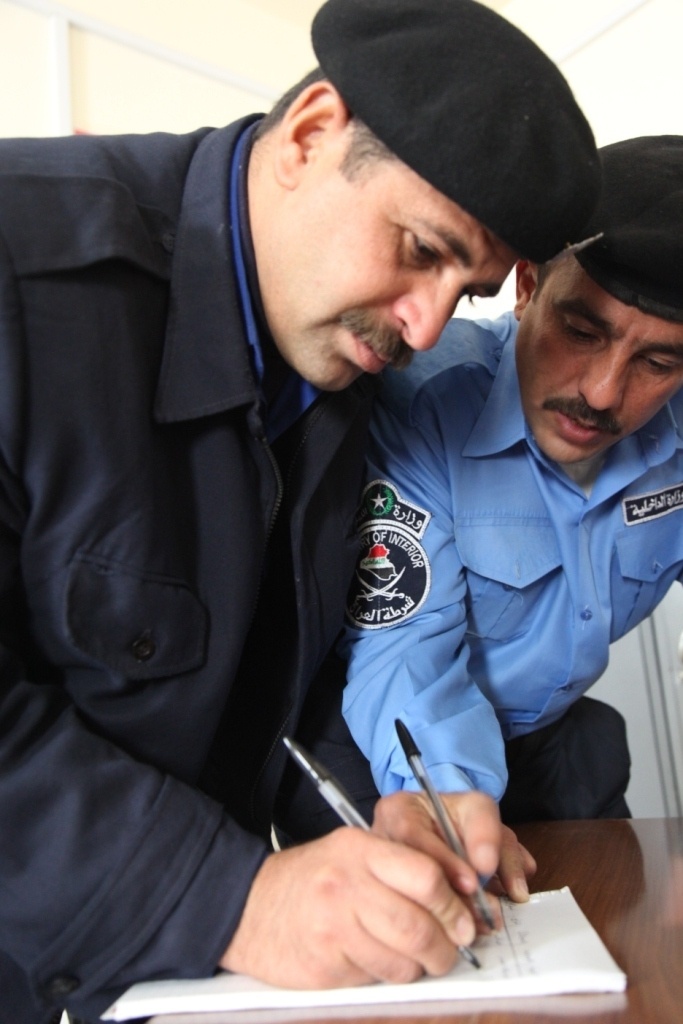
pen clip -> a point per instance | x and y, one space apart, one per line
329 788
305 760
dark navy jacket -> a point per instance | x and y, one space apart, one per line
137 495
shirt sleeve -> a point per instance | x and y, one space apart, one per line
413 665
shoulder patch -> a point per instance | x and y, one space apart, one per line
652 505
393 574
381 502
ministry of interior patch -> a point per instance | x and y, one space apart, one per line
643 507
393 573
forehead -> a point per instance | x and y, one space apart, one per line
419 203
568 287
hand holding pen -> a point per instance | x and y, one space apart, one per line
415 761
333 792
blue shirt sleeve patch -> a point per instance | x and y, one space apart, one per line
393 574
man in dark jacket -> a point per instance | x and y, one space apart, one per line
190 332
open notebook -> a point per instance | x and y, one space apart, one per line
547 946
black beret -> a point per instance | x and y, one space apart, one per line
639 258
473 106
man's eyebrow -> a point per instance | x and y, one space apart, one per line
665 348
457 247
485 289
455 243
582 309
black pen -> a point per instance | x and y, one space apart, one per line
340 801
415 761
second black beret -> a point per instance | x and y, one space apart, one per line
639 258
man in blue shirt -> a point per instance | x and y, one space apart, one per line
524 511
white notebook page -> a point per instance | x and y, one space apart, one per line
547 946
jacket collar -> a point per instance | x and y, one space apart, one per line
206 367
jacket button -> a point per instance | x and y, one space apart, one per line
144 647
61 985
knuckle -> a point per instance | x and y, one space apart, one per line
422 932
415 929
335 974
402 971
328 882
444 960
431 881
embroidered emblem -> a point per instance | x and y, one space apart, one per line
381 501
393 573
652 505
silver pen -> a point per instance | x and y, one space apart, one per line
340 801
328 787
415 761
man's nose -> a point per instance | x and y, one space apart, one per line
423 314
603 381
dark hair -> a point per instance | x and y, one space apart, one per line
364 147
541 274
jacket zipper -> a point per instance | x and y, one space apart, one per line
280 731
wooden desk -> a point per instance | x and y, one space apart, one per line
627 877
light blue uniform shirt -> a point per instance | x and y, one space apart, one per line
489 586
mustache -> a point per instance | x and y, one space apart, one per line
579 409
386 342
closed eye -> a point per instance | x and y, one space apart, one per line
659 367
424 255
578 333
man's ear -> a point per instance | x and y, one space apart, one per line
316 119
527 282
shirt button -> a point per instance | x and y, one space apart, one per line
586 614
144 647
61 985
168 241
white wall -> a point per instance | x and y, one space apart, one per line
141 65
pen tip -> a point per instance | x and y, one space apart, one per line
489 920
467 953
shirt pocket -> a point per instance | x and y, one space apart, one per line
646 551
649 558
141 625
507 567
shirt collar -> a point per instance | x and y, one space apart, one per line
501 423
286 394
